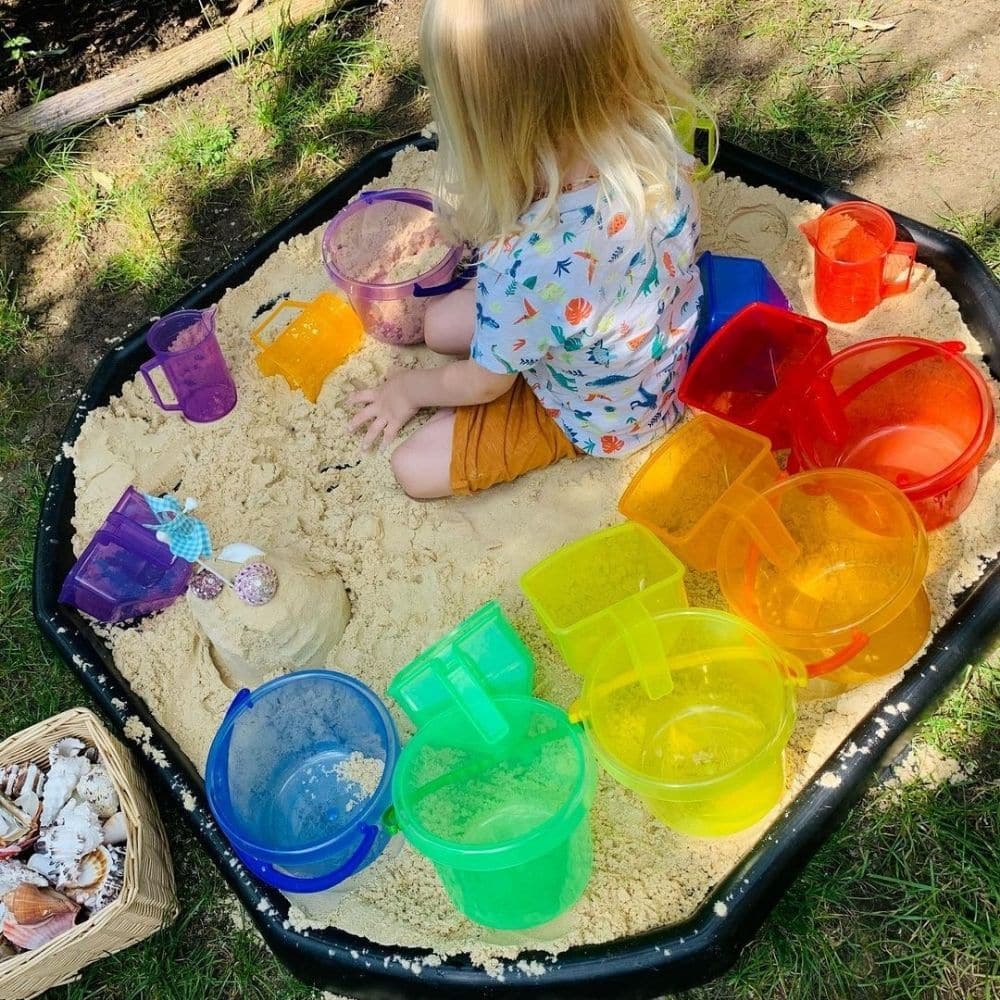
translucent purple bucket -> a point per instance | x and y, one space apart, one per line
188 351
385 252
125 572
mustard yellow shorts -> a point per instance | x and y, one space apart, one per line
499 441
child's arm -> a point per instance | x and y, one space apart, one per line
388 408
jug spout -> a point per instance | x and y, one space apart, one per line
810 230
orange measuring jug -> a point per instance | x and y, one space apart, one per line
321 337
858 260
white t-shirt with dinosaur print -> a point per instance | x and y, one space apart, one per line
598 316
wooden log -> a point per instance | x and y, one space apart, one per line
155 74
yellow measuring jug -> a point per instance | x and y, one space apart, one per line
321 337
579 590
704 749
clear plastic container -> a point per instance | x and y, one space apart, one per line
385 252
693 713
910 410
299 776
584 588
706 472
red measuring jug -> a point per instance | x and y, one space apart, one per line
858 260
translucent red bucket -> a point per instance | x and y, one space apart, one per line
386 253
912 411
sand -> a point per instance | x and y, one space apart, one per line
248 644
287 476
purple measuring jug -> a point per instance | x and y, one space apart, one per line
188 351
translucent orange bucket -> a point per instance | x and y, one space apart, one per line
319 339
850 603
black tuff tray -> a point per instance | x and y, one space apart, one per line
645 965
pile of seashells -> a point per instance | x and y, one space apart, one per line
62 845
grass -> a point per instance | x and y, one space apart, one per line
903 901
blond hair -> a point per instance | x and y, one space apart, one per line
521 87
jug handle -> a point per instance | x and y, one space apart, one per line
859 640
157 398
645 648
764 526
899 285
255 334
464 682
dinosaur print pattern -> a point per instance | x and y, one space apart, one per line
597 313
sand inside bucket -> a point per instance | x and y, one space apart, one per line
288 476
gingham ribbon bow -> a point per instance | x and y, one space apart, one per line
187 537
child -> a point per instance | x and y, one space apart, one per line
558 157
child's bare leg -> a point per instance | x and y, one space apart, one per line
450 322
422 463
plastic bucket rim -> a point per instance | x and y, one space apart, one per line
566 630
695 792
203 317
378 290
685 537
313 852
860 207
898 602
951 475
509 853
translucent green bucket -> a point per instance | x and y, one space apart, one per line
505 822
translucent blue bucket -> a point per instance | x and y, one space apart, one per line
292 779
729 284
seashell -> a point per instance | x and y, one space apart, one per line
238 552
69 746
115 829
256 583
76 832
6 950
206 585
14 873
35 916
18 779
64 775
42 863
97 788
98 879
18 830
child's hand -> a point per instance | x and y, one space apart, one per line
387 410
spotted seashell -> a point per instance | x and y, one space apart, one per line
205 585
256 583
97 789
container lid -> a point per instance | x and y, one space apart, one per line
908 409
467 803
729 703
861 558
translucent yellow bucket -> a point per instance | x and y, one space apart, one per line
587 587
692 709
321 337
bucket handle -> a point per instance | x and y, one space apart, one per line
294 883
859 640
464 274
255 334
145 369
897 286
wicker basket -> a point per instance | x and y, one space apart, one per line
147 901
